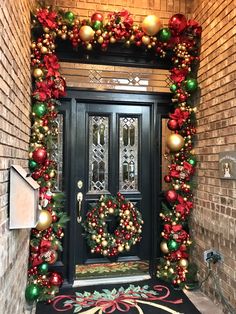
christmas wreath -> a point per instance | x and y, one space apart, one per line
126 234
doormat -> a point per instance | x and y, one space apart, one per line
145 297
112 269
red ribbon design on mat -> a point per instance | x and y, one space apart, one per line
121 303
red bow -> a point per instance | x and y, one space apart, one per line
183 207
43 90
180 253
180 116
178 75
177 232
47 19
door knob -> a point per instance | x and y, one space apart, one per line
79 199
80 184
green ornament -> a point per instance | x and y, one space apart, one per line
172 245
192 161
32 292
32 165
69 16
97 25
43 268
173 88
40 109
191 85
164 34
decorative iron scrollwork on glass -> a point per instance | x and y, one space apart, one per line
129 138
57 152
98 153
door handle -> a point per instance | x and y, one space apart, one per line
79 199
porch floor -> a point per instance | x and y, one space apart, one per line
202 302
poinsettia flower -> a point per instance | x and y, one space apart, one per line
178 75
180 116
52 65
183 207
47 18
126 18
43 90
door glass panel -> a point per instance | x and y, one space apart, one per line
98 153
57 153
129 138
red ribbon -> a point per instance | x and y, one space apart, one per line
120 303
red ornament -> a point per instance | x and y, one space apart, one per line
40 155
178 23
171 196
55 279
167 179
173 125
96 17
182 97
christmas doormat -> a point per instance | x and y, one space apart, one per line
145 297
112 269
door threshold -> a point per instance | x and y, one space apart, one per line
113 280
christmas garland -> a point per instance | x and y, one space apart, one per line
126 234
181 40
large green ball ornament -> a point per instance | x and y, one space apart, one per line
97 25
40 109
173 88
32 165
32 292
69 16
192 161
164 34
172 245
191 85
43 268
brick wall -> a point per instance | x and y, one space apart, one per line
139 8
214 218
15 84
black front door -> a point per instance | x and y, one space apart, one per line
110 145
113 154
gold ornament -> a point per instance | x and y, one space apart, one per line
44 50
112 40
127 247
111 210
120 248
127 212
100 40
89 47
104 243
37 73
183 262
151 25
164 247
86 33
105 253
175 142
146 40
171 270
44 221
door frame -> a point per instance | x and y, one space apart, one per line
159 108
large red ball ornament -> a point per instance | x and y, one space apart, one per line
171 196
96 17
40 155
178 23
173 125
55 279
167 179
